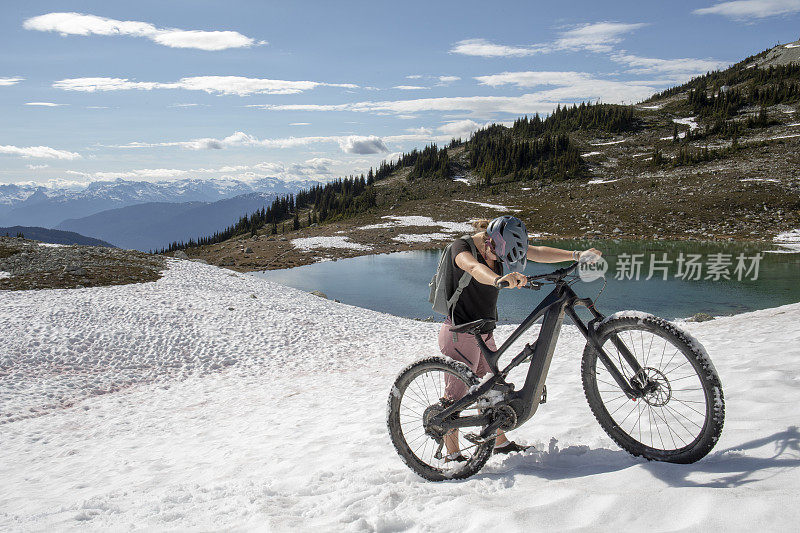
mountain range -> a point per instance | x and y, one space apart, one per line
34 205
140 215
154 225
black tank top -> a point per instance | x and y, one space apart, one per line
477 300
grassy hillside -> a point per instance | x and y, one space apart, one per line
714 158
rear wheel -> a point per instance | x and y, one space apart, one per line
680 418
418 393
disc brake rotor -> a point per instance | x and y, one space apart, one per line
661 391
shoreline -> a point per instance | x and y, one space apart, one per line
290 257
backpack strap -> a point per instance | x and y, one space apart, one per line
465 278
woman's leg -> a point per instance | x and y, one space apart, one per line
463 349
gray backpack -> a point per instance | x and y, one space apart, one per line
442 302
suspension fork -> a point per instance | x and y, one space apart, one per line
589 331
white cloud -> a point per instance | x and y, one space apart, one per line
44 104
204 40
37 167
227 85
419 131
588 89
410 87
5 82
80 24
484 48
414 76
355 144
594 37
42 152
394 156
682 68
462 129
105 84
416 136
312 167
445 80
745 9
533 78
299 123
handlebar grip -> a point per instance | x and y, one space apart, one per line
503 285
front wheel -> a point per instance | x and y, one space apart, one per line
422 390
680 418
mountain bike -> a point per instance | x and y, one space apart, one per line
650 385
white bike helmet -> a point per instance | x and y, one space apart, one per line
509 239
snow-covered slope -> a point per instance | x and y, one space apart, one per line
242 404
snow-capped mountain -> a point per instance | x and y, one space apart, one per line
33 205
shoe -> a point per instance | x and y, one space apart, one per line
455 457
510 447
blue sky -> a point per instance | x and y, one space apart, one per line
93 90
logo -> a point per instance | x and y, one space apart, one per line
592 268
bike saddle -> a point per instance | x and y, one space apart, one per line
476 326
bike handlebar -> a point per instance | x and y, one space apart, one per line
555 276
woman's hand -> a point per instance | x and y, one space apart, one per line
589 256
514 279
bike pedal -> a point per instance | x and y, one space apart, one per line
474 439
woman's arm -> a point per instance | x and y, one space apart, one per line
546 254
485 275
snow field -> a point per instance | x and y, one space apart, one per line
415 220
491 206
312 243
789 240
608 143
598 181
292 436
410 238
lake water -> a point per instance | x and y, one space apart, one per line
398 283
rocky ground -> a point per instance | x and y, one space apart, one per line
26 264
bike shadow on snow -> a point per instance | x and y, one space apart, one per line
728 468
555 463
733 467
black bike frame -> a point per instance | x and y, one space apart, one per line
562 300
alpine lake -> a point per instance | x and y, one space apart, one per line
671 279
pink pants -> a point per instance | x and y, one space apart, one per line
465 349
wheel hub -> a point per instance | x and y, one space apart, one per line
435 431
657 390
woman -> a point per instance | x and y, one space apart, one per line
502 244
